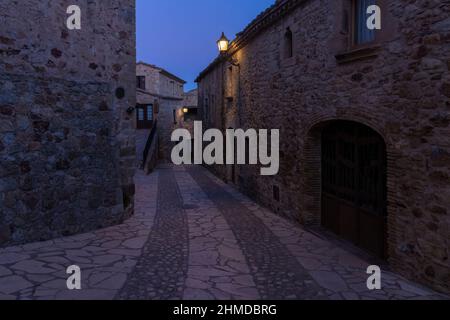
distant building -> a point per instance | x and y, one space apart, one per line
190 98
190 112
161 99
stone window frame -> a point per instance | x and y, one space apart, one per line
141 82
288 43
354 51
172 86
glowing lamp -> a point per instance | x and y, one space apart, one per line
223 43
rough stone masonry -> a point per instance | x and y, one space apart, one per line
67 146
399 86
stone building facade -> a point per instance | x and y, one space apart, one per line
165 92
297 68
190 112
191 98
67 148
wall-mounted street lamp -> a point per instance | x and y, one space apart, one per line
223 43
185 110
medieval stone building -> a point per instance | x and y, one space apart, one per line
67 150
160 97
364 123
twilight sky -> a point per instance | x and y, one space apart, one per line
180 35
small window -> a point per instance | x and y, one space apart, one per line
141 114
362 33
140 80
120 93
288 44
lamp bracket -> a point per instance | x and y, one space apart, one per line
233 61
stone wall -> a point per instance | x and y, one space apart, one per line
170 87
171 104
190 99
399 86
67 148
152 77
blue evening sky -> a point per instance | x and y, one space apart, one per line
180 35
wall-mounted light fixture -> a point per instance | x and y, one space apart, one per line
185 110
224 44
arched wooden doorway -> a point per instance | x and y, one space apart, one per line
354 189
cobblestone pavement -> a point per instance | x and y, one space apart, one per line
217 265
106 257
277 274
162 268
194 237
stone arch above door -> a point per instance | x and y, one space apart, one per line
311 171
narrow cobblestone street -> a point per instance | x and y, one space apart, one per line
194 237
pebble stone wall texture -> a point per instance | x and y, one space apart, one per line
67 150
402 91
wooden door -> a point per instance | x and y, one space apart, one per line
354 185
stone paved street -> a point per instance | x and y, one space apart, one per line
277 274
194 237
162 268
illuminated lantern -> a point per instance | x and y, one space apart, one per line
223 43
